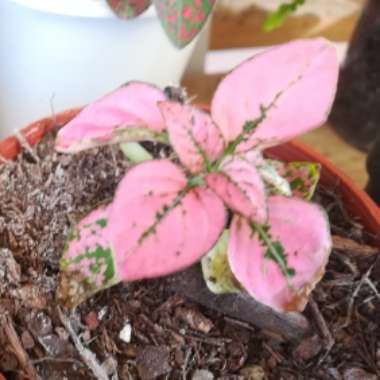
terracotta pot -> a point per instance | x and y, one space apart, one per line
357 202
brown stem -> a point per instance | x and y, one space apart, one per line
190 283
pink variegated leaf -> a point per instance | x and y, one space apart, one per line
240 186
87 264
182 20
158 224
283 92
193 135
128 114
128 8
279 265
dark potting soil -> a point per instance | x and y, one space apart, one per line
43 194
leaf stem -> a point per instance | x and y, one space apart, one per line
279 258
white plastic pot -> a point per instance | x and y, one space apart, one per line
59 54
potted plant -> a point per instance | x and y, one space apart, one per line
169 212
65 45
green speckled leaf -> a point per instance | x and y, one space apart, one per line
128 8
302 177
216 269
87 264
183 19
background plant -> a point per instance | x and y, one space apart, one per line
183 20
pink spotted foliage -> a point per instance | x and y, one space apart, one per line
168 214
182 20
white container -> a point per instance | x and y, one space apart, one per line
59 54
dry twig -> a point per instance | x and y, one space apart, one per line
351 246
88 356
323 328
24 143
18 349
355 293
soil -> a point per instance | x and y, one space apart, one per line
166 336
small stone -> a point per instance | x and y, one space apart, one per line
202 374
27 340
254 372
358 374
153 361
308 348
126 333
91 320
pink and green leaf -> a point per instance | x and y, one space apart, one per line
279 265
216 269
128 114
284 92
240 186
193 135
159 224
129 8
87 264
183 20
303 177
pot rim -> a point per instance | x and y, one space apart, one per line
76 8
357 202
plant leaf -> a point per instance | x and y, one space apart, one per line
277 18
303 177
216 269
128 114
274 182
285 91
240 186
129 8
158 224
135 152
301 237
182 20
196 139
87 265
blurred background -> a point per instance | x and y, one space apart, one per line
60 54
